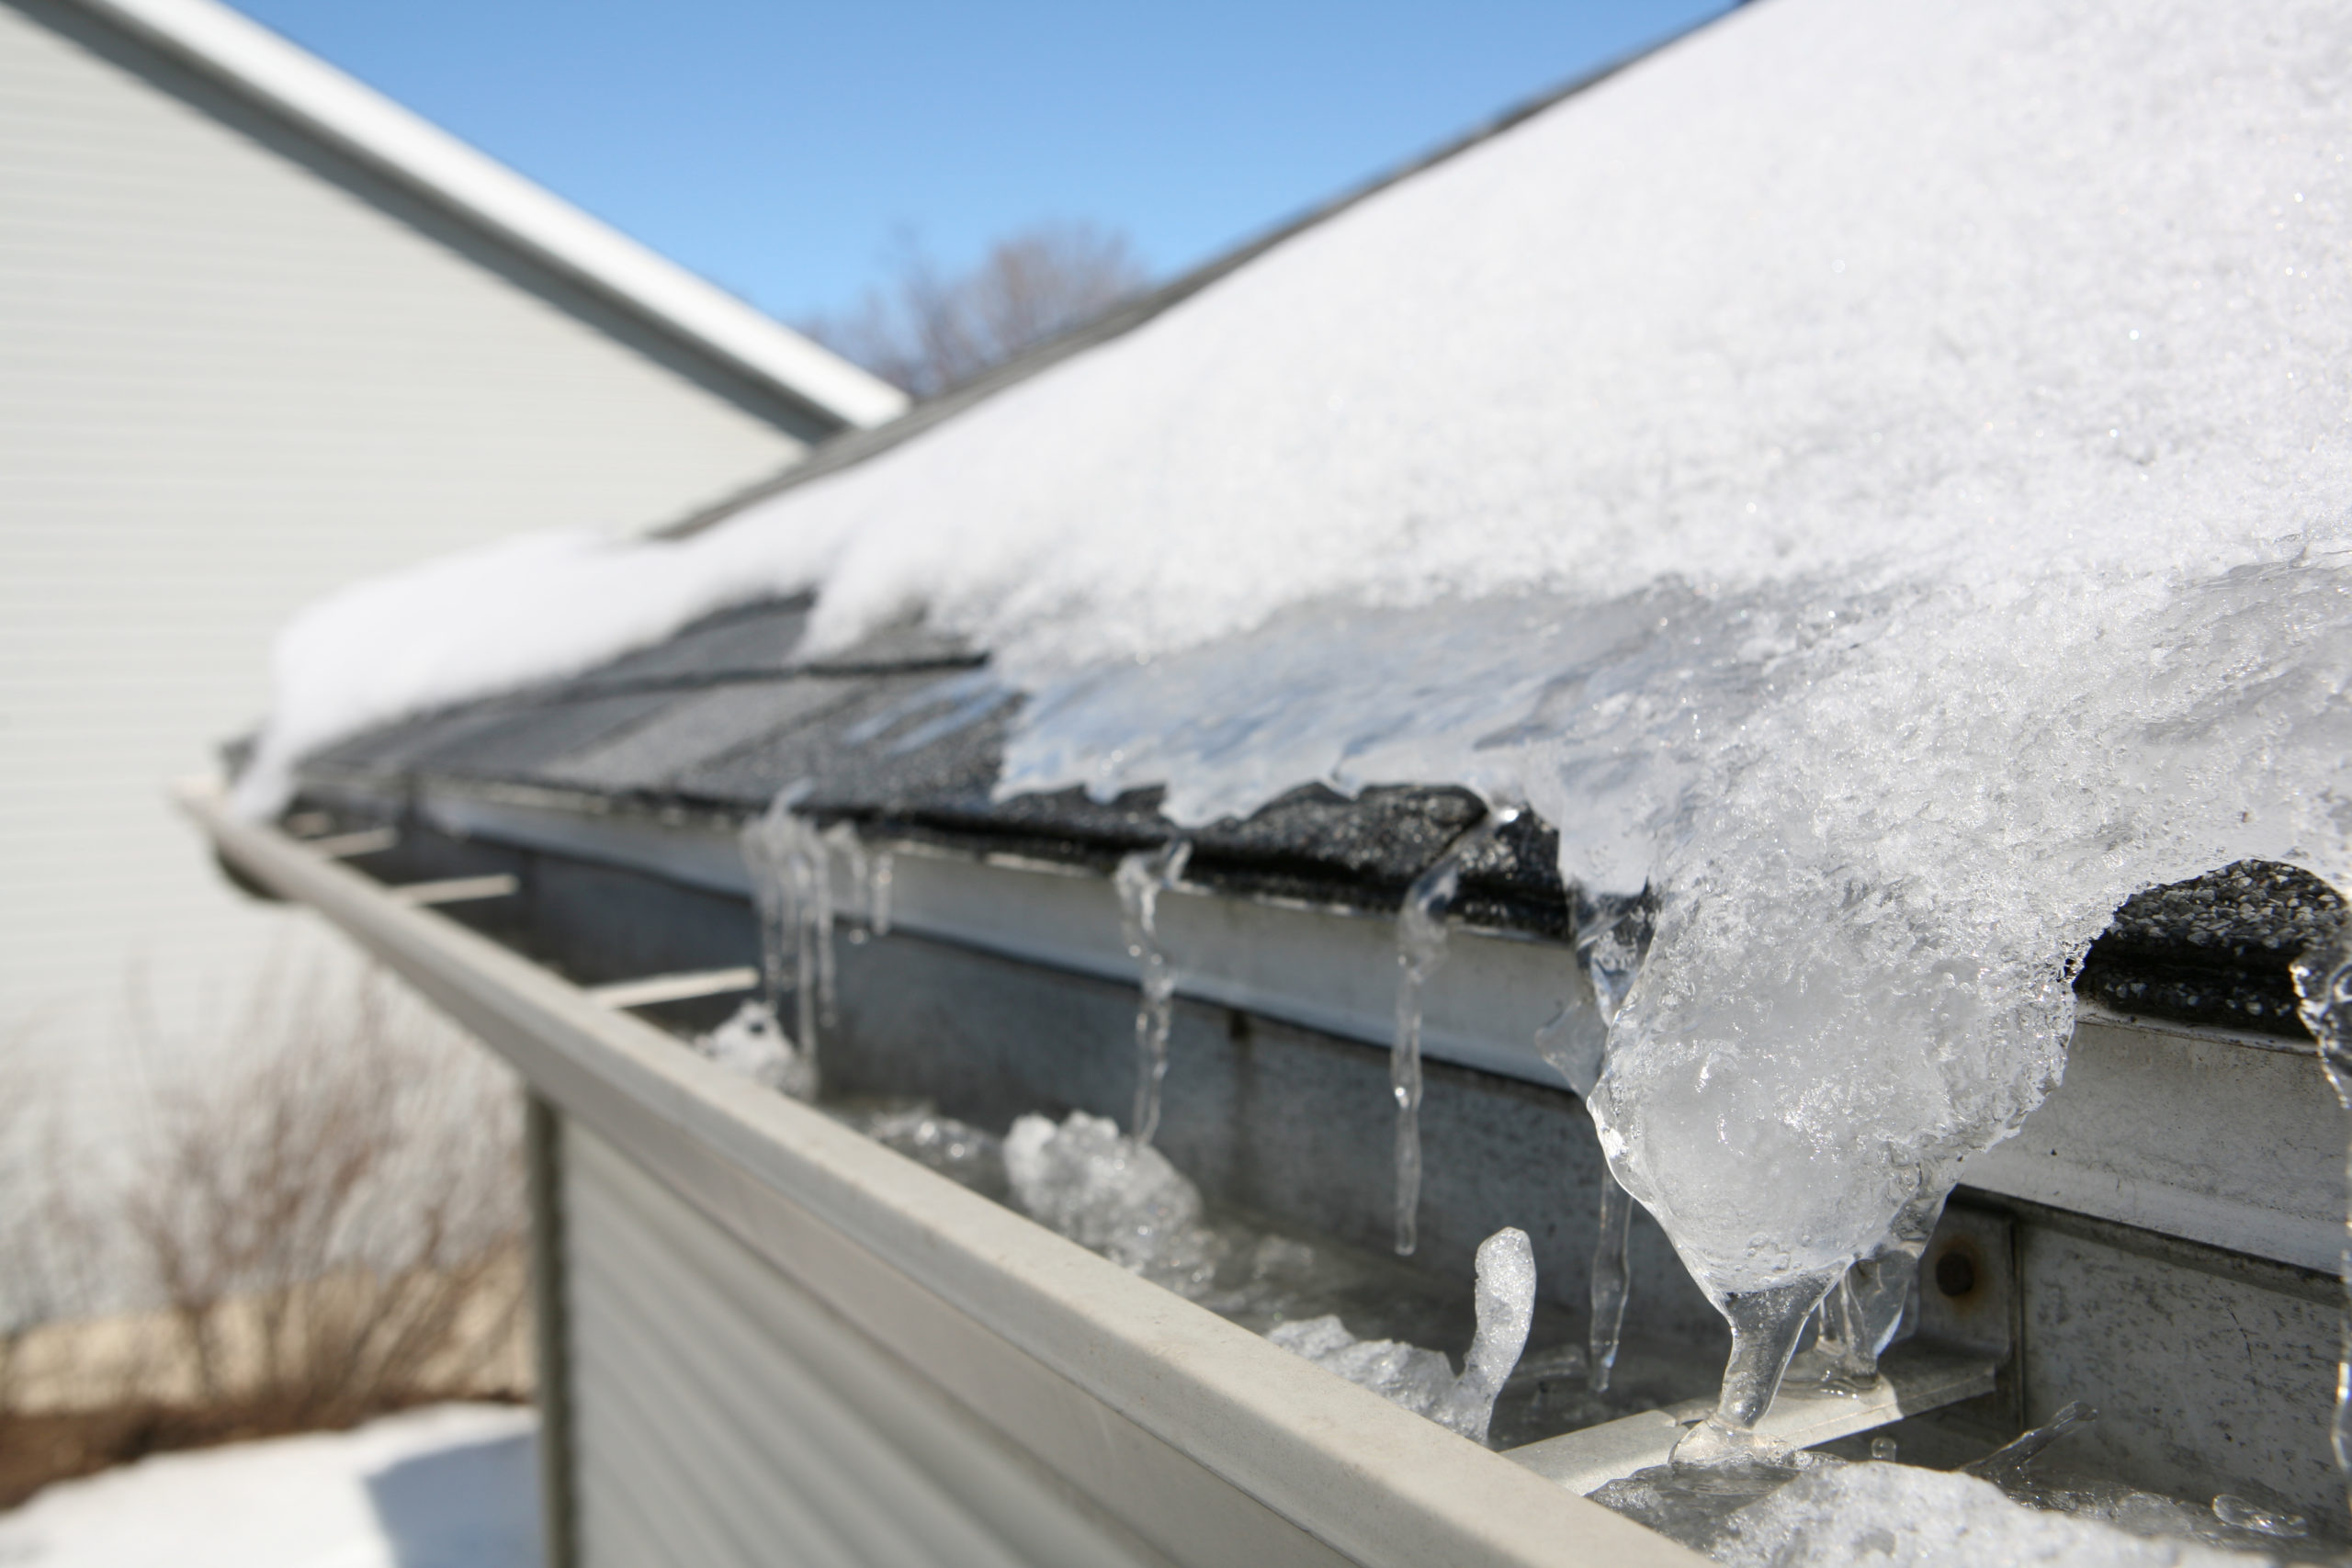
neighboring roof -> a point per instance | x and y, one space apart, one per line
904 735
360 122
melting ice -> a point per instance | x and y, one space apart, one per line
1816 1510
1892 1516
752 1045
1121 1198
1115 1195
1139 881
1423 1381
1877 476
792 885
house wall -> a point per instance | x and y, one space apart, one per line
239 373
719 1414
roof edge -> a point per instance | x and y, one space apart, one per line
300 87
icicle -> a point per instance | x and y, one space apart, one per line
1611 1279
804 864
1420 944
1423 1381
767 847
1764 1329
790 883
1141 877
841 839
2003 1466
1506 1304
1860 1315
2323 985
1420 948
878 892
1612 938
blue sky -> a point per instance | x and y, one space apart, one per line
780 149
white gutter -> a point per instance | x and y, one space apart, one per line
1325 969
2153 1127
1124 1390
361 121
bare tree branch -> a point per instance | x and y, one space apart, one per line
929 332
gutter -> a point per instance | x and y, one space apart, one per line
2205 1176
1123 1388
361 122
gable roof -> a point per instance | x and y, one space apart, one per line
303 91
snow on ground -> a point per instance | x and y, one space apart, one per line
452 1486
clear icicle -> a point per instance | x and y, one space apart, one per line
1142 877
790 883
1611 1279
885 871
805 863
2323 985
1420 948
1612 938
766 842
841 839
1862 1313
1764 1329
2005 1464
1420 944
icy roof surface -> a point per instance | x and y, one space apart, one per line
887 735
1876 472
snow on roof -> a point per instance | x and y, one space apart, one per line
355 118
1876 472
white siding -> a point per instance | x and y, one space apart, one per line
234 374
722 1416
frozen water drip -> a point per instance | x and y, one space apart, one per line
2007 1464
1611 1279
1142 877
1506 1302
792 885
1420 948
1121 1198
1862 1312
841 839
764 849
1422 1380
1765 1326
1612 938
883 873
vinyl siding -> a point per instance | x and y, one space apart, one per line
720 1414
234 374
